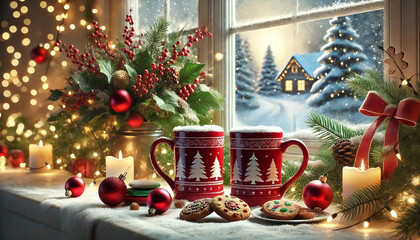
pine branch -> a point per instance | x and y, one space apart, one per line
156 35
366 199
330 130
408 225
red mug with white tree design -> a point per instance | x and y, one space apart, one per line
256 155
198 163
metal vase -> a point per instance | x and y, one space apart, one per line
136 142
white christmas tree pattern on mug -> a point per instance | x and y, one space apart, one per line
180 170
253 172
236 172
215 169
272 173
198 169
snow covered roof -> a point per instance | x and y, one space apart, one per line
308 61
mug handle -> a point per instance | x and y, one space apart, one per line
301 145
171 144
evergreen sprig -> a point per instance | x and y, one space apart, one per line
156 35
367 199
408 225
330 130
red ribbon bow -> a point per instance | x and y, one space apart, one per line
406 113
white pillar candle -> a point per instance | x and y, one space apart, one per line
355 179
39 155
117 166
2 163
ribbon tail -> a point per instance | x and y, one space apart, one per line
364 147
391 141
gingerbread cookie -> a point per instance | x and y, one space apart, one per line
305 213
231 208
280 209
196 210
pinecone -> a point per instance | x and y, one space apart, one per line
344 151
170 77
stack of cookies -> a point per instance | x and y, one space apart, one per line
228 207
286 210
139 190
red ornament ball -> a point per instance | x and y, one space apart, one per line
3 150
112 191
75 186
16 157
120 101
135 119
159 201
318 193
39 54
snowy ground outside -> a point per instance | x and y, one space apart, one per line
286 111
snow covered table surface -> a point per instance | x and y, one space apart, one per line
33 206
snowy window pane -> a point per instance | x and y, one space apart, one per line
182 14
284 73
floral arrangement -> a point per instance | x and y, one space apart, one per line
149 77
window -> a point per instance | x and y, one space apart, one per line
294 69
288 86
301 85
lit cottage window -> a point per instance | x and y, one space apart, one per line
294 69
301 85
289 85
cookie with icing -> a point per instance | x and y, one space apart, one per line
231 208
280 209
196 210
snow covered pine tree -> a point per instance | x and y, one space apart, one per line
342 57
244 77
268 84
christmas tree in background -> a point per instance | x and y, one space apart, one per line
342 57
251 63
244 77
253 172
180 170
272 173
268 84
215 169
198 169
236 172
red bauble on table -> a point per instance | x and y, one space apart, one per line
135 119
39 54
318 194
3 150
112 190
120 101
75 186
159 201
16 157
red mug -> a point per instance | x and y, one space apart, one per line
256 155
198 153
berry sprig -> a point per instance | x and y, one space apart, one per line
85 61
75 99
128 38
145 83
100 40
186 91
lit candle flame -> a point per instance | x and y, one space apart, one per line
362 167
41 144
120 155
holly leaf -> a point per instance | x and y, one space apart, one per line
205 99
55 95
121 120
97 121
80 79
57 117
190 72
141 61
132 73
163 105
106 67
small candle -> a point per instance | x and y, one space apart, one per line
117 166
39 155
355 179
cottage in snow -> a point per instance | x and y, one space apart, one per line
298 75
